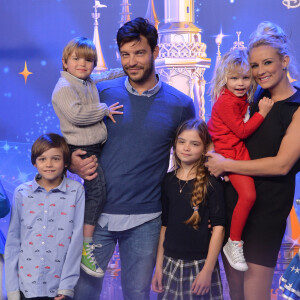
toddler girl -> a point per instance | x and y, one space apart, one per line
232 87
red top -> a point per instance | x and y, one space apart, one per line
227 127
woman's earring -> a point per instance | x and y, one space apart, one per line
284 69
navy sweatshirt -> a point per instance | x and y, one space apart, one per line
135 157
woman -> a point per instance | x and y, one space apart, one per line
275 151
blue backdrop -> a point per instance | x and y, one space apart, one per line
36 31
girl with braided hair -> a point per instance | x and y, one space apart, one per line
186 265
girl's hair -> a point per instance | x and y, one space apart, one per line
83 47
49 141
201 180
270 34
235 60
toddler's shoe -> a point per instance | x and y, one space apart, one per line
88 261
233 251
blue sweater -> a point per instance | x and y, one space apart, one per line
135 157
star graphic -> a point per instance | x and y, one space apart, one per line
297 270
289 286
25 72
292 268
23 177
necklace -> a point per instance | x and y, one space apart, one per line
181 187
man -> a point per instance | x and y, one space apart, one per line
135 159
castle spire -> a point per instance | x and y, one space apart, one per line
179 11
125 14
151 14
101 65
182 55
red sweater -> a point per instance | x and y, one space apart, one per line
227 128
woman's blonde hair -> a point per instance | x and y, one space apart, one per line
270 34
201 180
230 62
83 47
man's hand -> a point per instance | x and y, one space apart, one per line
85 168
113 110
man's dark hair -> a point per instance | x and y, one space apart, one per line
133 30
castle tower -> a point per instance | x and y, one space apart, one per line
182 60
179 11
101 65
151 14
125 14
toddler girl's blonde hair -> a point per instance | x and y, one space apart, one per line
235 60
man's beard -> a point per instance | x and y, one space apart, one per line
147 73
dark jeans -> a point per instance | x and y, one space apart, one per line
95 191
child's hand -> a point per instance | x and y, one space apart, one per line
201 284
113 110
157 281
265 105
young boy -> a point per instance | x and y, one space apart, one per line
76 102
43 246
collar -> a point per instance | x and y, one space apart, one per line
69 76
61 188
147 93
295 98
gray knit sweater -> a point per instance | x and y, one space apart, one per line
78 107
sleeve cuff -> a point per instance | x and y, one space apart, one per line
69 293
14 295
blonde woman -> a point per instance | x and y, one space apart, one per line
232 89
275 151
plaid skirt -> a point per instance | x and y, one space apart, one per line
179 275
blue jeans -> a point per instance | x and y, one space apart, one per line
137 247
95 191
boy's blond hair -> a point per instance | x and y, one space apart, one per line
83 47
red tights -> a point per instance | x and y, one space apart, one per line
244 185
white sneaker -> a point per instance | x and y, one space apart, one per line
233 251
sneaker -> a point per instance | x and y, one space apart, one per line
88 261
233 251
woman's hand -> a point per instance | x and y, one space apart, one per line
201 284
214 164
85 168
157 281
